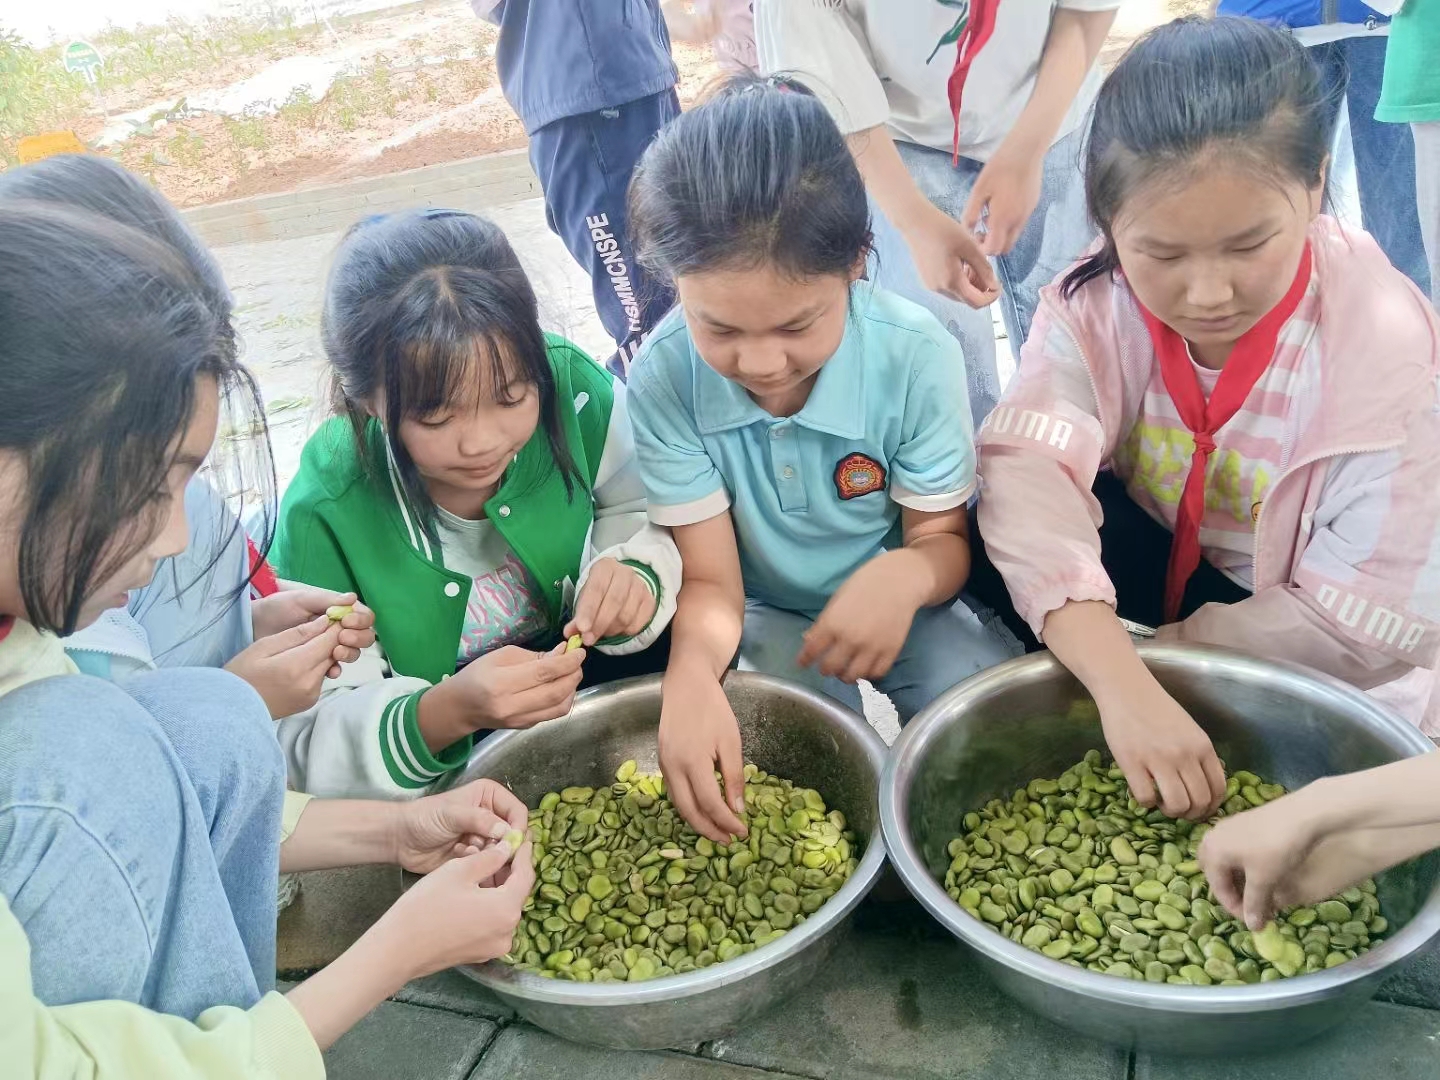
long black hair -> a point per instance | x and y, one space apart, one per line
1196 86
758 174
110 309
415 304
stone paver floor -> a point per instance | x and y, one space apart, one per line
900 999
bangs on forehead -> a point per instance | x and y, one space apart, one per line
436 375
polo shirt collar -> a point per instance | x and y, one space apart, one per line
836 405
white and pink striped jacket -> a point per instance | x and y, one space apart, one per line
1347 539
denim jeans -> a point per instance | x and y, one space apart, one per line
1057 234
139 838
1384 153
947 644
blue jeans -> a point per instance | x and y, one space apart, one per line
139 838
1384 153
1057 234
947 644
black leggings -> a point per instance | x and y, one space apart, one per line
1135 551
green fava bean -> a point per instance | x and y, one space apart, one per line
992 913
1027 894
1169 917
1333 911
1122 852
1150 891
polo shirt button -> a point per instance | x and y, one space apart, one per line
452 588
777 432
789 473
504 511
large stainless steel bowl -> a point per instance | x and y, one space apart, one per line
787 730
1030 718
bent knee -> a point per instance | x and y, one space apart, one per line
76 734
211 711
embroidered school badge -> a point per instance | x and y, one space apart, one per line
858 474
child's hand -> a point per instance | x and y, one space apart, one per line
1167 759
865 624
697 730
1260 861
950 259
1005 193
514 687
614 602
290 607
452 917
438 828
289 668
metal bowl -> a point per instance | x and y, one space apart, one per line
787 730
1031 718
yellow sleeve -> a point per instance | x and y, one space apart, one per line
116 1040
295 803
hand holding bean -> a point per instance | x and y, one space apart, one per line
288 669
514 687
297 604
438 828
614 602
453 917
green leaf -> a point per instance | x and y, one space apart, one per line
952 35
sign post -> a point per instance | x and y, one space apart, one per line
83 57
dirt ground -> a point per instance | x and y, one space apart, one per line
422 90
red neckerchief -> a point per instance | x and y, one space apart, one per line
7 623
262 575
1248 360
978 28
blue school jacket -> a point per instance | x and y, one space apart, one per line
560 58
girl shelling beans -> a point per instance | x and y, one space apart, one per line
144 823
1261 384
804 434
478 493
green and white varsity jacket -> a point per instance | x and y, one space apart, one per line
348 527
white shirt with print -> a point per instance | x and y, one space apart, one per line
875 62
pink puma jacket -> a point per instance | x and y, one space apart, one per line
1347 540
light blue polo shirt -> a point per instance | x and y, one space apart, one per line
814 495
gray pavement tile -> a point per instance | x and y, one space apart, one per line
1378 1041
1418 984
403 1042
914 1006
454 992
525 1053
333 909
